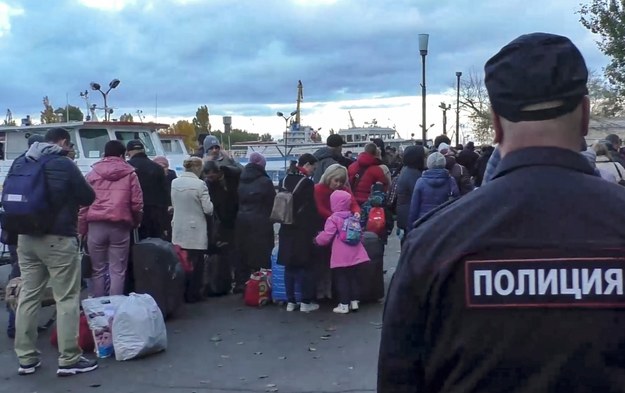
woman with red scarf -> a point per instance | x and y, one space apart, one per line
296 240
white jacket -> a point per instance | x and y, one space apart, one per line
610 169
191 201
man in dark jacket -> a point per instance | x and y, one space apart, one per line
480 165
614 143
53 258
331 154
467 157
531 299
155 191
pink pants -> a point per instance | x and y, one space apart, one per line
108 244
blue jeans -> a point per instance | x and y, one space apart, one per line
15 272
305 276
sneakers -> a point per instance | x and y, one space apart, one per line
341 309
83 365
291 306
353 305
308 307
30 369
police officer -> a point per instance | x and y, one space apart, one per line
531 299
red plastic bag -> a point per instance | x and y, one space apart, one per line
258 289
376 221
85 337
183 256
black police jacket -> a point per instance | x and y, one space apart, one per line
523 293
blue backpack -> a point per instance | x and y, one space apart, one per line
25 199
351 231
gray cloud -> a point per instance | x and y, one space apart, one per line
242 56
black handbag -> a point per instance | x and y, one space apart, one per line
85 261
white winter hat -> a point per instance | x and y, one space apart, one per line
436 161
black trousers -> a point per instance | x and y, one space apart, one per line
193 288
305 276
347 284
154 222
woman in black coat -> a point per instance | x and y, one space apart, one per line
414 163
254 230
296 240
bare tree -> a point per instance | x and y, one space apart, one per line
474 100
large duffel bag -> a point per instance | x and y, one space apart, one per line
371 274
157 272
217 280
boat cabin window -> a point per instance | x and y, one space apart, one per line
349 138
143 136
93 141
172 146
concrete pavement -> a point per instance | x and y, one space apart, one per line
223 346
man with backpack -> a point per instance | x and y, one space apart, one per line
366 172
41 196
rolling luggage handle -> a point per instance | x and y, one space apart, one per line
135 235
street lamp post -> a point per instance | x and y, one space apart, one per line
96 86
286 131
423 49
445 108
458 75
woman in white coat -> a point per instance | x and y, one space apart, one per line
191 203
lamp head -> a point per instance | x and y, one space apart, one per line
94 86
423 43
279 114
114 83
293 113
458 74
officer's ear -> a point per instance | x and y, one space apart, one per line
497 127
585 115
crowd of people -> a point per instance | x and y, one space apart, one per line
471 324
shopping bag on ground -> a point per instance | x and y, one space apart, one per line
138 328
258 289
100 312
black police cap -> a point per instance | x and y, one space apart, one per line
534 69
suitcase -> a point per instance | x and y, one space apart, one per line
217 274
157 272
278 285
371 273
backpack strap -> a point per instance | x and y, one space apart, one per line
298 184
358 177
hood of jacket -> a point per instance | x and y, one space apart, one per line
341 201
39 149
323 153
450 161
366 160
112 168
252 172
414 157
436 177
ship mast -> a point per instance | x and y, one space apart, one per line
300 98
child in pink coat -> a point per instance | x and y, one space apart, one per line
345 257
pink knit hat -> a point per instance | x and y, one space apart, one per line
161 160
258 159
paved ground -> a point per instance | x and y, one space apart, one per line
223 346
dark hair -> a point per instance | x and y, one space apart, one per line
211 167
306 158
57 134
114 148
292 167
441 139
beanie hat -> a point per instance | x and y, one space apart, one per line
436 161
258 159
443 148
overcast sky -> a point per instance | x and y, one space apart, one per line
244 57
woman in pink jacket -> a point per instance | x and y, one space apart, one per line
108 222
345 257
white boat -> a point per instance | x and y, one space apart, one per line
88 138
175 151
